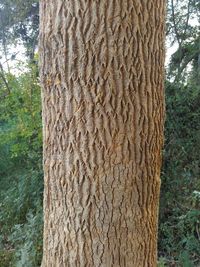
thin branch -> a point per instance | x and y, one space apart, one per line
177 35
4 79
187 19
11 58
175 25
184 65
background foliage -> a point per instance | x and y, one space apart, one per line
21 174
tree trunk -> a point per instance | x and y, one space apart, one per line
101 65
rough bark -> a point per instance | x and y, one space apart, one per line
101 65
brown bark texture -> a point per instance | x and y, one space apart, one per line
102 68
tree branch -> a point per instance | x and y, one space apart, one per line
4 79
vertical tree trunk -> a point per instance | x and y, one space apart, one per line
103 108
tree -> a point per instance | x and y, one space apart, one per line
19 24
180 197
183 30
101 65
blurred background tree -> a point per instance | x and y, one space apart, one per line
19 21
179 233
21 174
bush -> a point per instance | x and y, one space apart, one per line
21 174
179 238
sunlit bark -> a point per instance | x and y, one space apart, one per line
101 65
